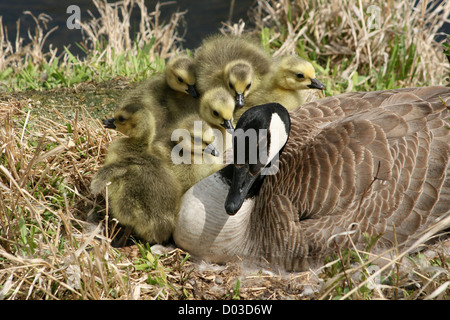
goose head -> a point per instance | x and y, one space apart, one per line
294 73
259 137
238 76
217 107
180 74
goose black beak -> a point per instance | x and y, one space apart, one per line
227 124
210 149
240 186
192 91
109 123
240 100
316 84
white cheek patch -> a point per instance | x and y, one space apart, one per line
278 136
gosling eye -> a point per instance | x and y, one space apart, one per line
231 85
300 75
121 119
180 79
215 113
249 85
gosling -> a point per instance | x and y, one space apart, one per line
143 192
180 74
287 83
194 150
169 96
235 63
217 108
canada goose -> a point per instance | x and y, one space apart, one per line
169 96
286 83
180 74
144 193
133 101
374 163
193 155
239 76
217 107
236 63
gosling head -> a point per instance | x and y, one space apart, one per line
201 140
133 120
238 76
295 73
208 139
180 74
217 107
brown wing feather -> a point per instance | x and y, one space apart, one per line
359 162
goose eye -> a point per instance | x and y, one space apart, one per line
248 86
300 75
215 113
121 119
180 79
231 85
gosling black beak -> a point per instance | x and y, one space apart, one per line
316 84
227 124
109 123
192 91
210 149
240 100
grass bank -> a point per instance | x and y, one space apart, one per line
55 237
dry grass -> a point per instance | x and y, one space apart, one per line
17 55
109 35
360 41
422 271
45 250
55 237
112 48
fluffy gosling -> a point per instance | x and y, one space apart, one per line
168 96
216 108
234 62
287 83
194 150
180 74
143 191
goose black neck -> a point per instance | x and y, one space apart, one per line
245 176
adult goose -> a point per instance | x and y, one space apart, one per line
373 163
